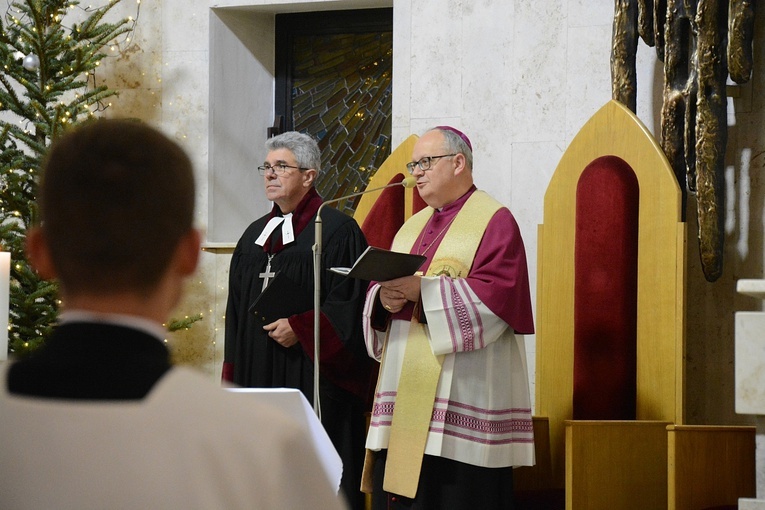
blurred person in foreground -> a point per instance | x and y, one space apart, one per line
98 418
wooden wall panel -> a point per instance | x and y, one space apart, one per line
710 466
616 465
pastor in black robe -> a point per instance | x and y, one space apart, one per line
252 359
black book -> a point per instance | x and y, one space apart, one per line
379 265
281 299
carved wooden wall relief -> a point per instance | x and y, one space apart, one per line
700 42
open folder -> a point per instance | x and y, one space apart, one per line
379 265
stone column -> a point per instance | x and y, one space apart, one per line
750 380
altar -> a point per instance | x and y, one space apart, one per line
292 402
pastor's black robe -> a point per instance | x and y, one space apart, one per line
252 359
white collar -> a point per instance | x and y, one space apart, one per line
288 233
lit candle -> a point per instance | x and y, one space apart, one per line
5 288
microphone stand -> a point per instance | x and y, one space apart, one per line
408 182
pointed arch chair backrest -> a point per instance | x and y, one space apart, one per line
610 282
380 214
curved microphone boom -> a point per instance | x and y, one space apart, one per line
408 182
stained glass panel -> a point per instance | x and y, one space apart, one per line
341 94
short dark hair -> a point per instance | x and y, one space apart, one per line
115 198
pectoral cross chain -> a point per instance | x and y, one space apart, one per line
267 274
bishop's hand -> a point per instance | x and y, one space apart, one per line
395 293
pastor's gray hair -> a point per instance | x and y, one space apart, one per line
303 147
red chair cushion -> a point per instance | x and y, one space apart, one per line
605 291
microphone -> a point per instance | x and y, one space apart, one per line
408 182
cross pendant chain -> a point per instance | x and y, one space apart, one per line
422 234
267 274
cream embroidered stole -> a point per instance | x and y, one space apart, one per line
421 368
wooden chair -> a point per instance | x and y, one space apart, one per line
380 214
611 319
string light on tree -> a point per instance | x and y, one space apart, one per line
62 45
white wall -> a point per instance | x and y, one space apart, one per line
519 77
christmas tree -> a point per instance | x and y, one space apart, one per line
50 51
